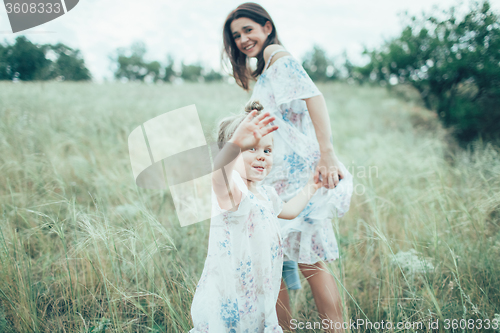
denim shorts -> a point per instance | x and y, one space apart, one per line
291 275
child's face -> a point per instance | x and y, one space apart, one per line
256 163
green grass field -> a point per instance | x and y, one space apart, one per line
82 249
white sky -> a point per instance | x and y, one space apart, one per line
192 30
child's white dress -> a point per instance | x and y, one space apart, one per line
281 89
240 283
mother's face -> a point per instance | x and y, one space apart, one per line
250 36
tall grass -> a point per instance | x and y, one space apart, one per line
82 249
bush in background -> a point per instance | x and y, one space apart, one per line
455 65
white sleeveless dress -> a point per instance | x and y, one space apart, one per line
240 283
281 89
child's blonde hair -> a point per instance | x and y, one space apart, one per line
228 126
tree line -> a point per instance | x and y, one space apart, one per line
26 61
452 60
131 66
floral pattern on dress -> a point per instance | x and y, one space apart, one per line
281 89
230 314
240 282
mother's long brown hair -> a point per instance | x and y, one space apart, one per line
238 59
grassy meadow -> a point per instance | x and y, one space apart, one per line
82 249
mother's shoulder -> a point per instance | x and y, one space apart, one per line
274 47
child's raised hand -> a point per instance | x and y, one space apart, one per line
252 129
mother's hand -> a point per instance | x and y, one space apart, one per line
329 169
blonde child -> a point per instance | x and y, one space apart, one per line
241 279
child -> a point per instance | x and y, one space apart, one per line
239 286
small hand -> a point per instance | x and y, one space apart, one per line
329 169
252 129
314 184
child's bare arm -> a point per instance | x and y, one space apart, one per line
294 206
246 136
228 194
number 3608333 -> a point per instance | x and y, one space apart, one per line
33 8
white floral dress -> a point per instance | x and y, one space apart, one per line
240 283
281 89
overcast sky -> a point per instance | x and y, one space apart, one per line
192 30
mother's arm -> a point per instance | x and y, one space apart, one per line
328 165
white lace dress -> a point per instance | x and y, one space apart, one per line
281 89
240 283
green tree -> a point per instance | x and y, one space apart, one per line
453 63
69 64
153 69
170 73
213 76
318 66
191 72
26 61
132 66
4 64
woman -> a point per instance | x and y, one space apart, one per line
303 144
